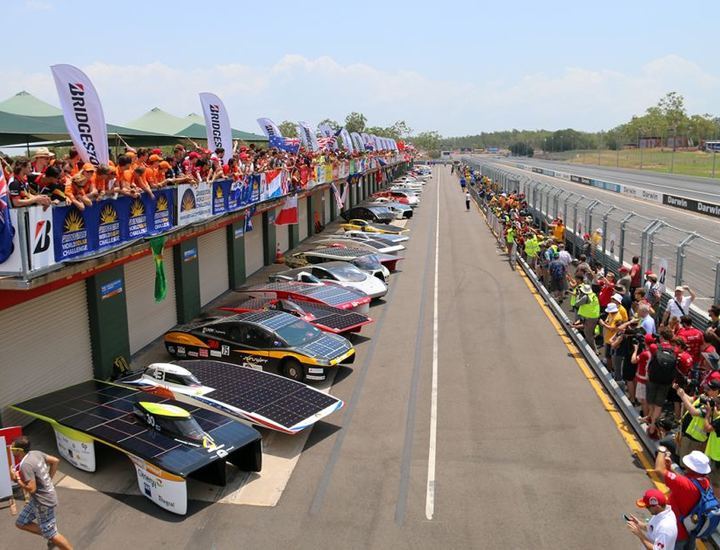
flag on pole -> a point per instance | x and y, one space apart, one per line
249 213
157 244
336 194
83 113
291 145
308 136
269 128
217 124
288 214
7 231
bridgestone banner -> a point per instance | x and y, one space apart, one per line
217 124
347 140
269 128
83 113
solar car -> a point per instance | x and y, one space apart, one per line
401 211
337 273
362 225
264 340
385 237
166 440
376 214
368 262
326 318
402 197
254 397
316 292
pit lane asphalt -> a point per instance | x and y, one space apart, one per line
527 456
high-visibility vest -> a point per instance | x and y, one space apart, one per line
532 247
510 236
696 427
712 449
591 308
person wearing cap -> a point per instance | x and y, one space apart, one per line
679 304
48 183
625 278
641 359
41 160
588 309
660 532
684 495
76 191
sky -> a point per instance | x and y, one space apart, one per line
458 67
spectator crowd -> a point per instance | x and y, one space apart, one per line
667 366
46 179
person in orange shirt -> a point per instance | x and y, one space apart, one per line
89 171
153 174
140 181
76 191
126 177
105 181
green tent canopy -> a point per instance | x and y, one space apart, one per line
191 126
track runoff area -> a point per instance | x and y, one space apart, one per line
469 422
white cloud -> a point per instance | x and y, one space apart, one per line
311 89
38 5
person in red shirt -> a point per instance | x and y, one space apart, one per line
684 495
692 336
607 290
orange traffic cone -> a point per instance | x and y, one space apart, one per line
279 258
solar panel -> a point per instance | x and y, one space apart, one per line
277 398
104 411
329 294
327 347
337 252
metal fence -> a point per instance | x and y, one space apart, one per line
678 255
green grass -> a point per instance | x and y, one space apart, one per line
690 163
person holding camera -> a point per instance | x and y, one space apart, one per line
692 434
712 448
684 489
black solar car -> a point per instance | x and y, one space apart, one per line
376 214
265 340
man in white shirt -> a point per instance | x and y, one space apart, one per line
661 531
679 304
564 256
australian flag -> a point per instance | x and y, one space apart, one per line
291 145
7 231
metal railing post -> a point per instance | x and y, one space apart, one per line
680 258
604 235
644 245
588 215
623 225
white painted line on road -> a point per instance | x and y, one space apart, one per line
430 495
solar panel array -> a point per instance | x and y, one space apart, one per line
327 346
329 294
333 317
338 252
104 411
277 398
271 319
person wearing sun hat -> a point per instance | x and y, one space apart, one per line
684 489
660 532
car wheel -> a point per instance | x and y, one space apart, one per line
293 370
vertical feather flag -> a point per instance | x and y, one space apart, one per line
157 244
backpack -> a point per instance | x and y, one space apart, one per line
663 367
557 270
704 518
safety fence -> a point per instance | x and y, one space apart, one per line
47 239
677 255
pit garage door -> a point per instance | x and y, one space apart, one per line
148 319
303 218
213 266
282 233
254 246
326 206
46 347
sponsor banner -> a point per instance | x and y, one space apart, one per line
563 175
13 264
78 449
83 113
692 205
607 186
159 212
269 128
217 124
113 288
190 255
41 238
537 170
194 202
243 192
642 194
166 490
580 179
220 194
72 236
